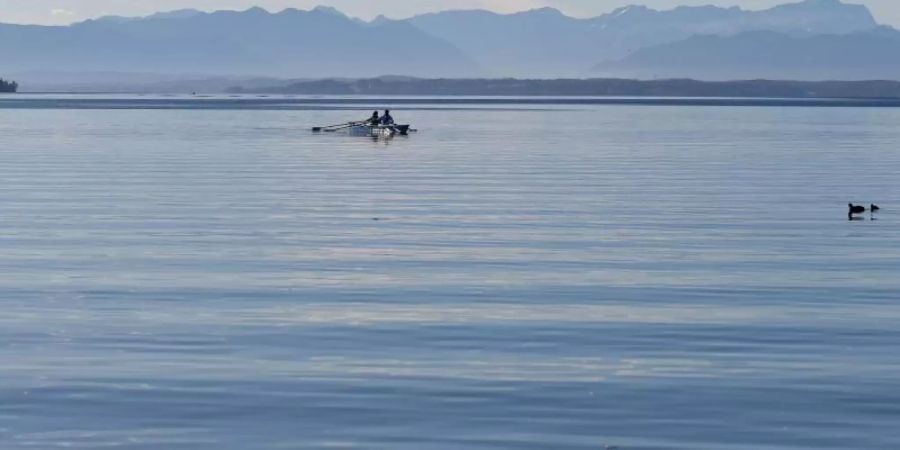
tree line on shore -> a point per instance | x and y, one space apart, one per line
586 87
8 86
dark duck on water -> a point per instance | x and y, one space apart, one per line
856 209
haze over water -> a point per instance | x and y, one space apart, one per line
510 277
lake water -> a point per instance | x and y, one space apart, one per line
215 276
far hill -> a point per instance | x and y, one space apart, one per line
856 56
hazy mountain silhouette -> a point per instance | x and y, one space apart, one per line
544 42
177 14
763 54
294 43
539 43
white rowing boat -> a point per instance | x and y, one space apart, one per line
379 130
367 130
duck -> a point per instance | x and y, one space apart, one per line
854 209
873 207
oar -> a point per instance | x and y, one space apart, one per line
319 129
351 124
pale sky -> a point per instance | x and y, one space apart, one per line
67 11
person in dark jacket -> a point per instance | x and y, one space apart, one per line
386 119
374 120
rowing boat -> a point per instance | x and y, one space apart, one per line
378 130
366 129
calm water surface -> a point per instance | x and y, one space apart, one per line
553 277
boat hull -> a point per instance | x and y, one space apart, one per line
378 130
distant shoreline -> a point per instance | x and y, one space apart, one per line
287 102
601 87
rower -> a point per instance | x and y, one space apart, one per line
374 120
386 119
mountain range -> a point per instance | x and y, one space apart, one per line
864 55
812 39
313 43
546 43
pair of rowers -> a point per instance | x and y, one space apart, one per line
386 119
